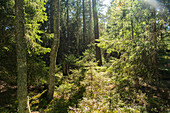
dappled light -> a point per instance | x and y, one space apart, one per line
84 56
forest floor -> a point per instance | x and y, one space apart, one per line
8 96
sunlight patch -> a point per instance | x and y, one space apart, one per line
153 3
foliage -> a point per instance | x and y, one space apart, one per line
126 83
34 16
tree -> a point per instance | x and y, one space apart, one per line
78 26
84 25
90 23
96 32
155 61
54 50
21 58
7 47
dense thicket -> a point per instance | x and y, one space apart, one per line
80 59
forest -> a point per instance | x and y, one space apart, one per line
84 56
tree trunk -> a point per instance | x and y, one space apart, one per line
84 26
132 28
155 61
68 31
96 32
132 23
65 69
90 23
21 58
54 50
77 36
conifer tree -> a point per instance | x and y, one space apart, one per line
21 58
96 33
84 24
54 50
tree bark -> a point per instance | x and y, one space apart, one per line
155 61
21 58
54 50
84 26
96 32
90 23
132 23
77 36
68 31
132 28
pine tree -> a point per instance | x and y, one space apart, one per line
54 50
21 58
96 32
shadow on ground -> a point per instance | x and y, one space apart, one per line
7 97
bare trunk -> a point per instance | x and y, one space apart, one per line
54 50
21 58
77 36
155 61
68 31
28 105
132 28
96 32
90 23
84 26
65 69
